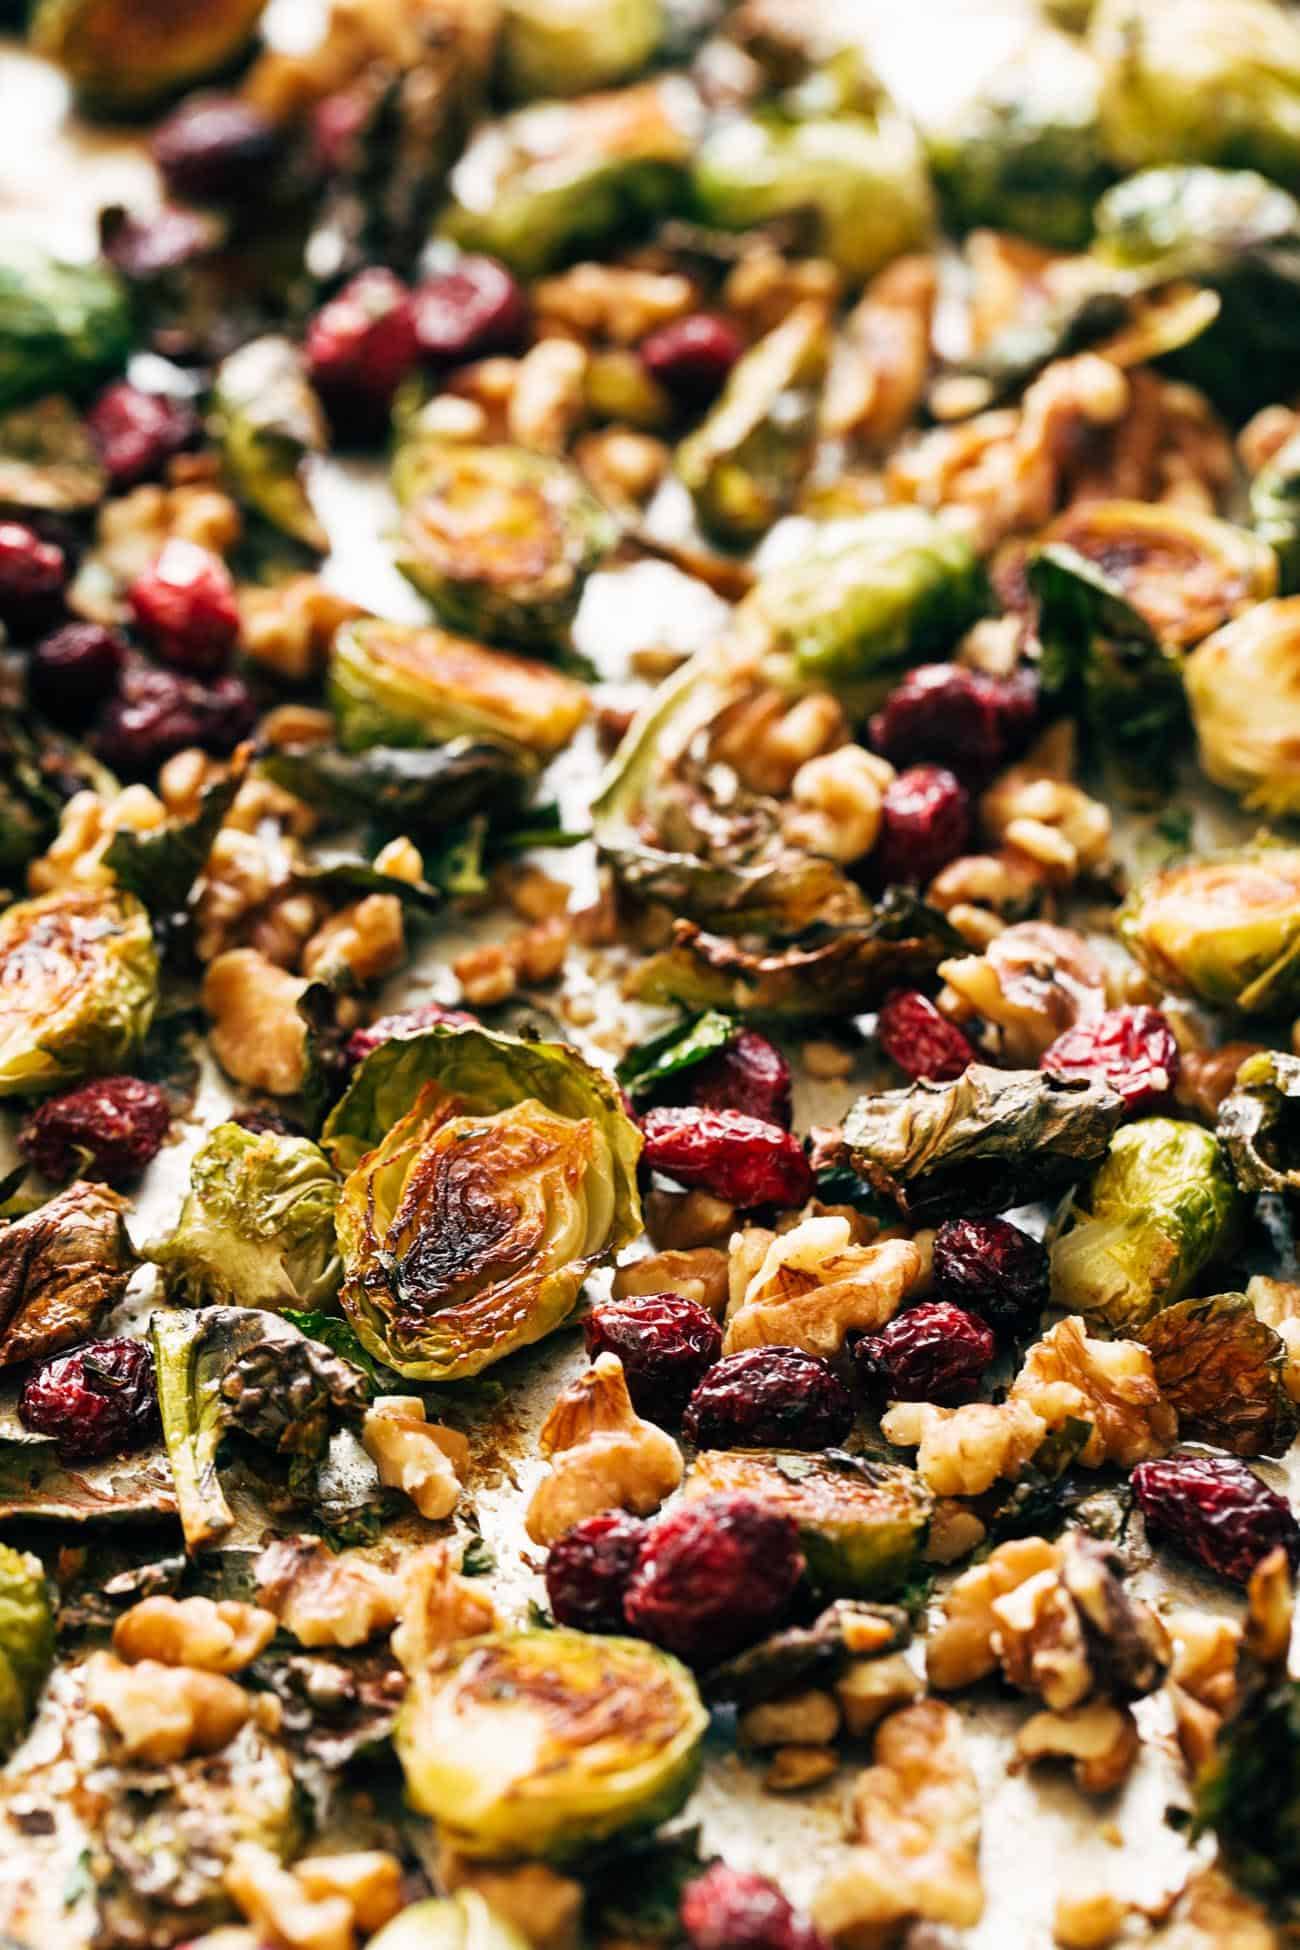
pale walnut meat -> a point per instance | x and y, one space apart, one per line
88 825
809 1718
280 1909
257 1036
1071 1631
838 803
1110 1384
619 304
881 359
422 1459
363 941
983 893
289 628
766 737
868 1689
1099 1739
133 528
1032 982
161 1713
600 1454
1089 1919
955 1531
324 1597
548 400
792 1769
369 1880
765 286
814 1286
1036 811
245 876
1212 1915
1277 1304
543 1905
1205 1649
436 1606
914 1827
221 1636
961 1647
700 1274
964 1451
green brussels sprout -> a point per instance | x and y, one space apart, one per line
420 792
459 1922
78 985
399 684
268 424
862 1524
553 181
500 540
1247 1794
495 1739
1275 512
1243 687
1223 1371
1259 1124
63 327
26 1639
1226 928
62 1267
521 1148
257 1225
48 461
569 47
125 59
1159 1208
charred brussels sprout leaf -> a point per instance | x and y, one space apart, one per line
61 1268
269 423
405 791
651 1063
1159 1208
1226 929
1248 1792
48 461
1259 1124
460 1922
26 1640
568 47
1243 686
495 1740
40 770
124 59
78 986
257 1225
160 867
807 1655
1221 1368
62 326
990 1140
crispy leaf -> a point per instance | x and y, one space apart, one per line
646 1066
406 791
61 1268
1259 1124
269 422
161 867
1222 1368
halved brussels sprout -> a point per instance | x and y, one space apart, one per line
460 1922
500 540
126 56
399 684
1243 687
862 1524
1158 1209
268 423
557 179
1226 928
487 1176
1275 512
1259 1124
78 985
257 1225
547 1743
63 327
26 1639
568 47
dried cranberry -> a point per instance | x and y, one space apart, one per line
336 123
108 1128
1132 1050
264 1123
465 313
588 1569
1217 1510
925 821
185 608
692 357
146 248
712 1576
33 576
136 433
731 1909
158 712
406 1022
769 1397
98 1400
743 1159
360 347
933 1353
216 149
991 1268
958 717
749 1075
665 1343
923 1043
74 670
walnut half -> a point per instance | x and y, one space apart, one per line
602 1456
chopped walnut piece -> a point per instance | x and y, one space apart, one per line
805 1719
436 1606
132 528
1212 1915
601 1455
422 1459
868 1689
622 464
364 941
544 1906
258 1036
1111 1384
1032 982
88 825
838 803
961 1647
964 1451
1101 1739
491 973
1205 1652
1035 811
686 1219
880 364
243 874
277 1904
324 1597
765 286
369 1880
954 1532
548 398
163 1713
792 1769
813 1286
617 302
1089 1920
289 628
766 737
700 1274
215 1637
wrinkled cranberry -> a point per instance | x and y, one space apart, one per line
74 670
360 347
991 1268
1132 1050
185 608
588 1569
769 1397
712 1576
136 433
665 1343
731 1909
336 123
925 821
1217 1510
743 1159
108 1128
145 248
923 1043
934 1352
406 1022
465 313
216 149
33 576
692 357
158 712
263 1123
749 1075
952 716
99 1400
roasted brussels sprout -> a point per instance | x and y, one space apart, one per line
124 59
496 1741
1259 1124
61 1268
1275 512
862 1524
26 1639
1246 1792
48 460
1160 1206
487 1176
1223 1371
568 47
257 1225
460 1922
1243 687
78 984
62 326
396 684
268 423
501 541
418 792
552 181
1226 928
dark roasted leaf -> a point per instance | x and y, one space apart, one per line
1222 1368
1259 1124
1248 1795
406 791
61 1268
646 1066
804 1655
161 867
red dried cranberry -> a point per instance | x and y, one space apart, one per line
991 1268
108 1128
958 717
146 248
74 670
185 608
587 1571
730 1909
743 1159
1217 1510
336 123
360 347
769 1397
923 1043
265 1122
136 433
99 1400
158 712
33 576
406 1022
465 313
216 149
1132 1050
925 821
665 1343
692 357
749 1075
933 1353
713 1575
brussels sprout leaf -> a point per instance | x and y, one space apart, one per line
1222 1368
399 790
161 867
644 1068
1259 1124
